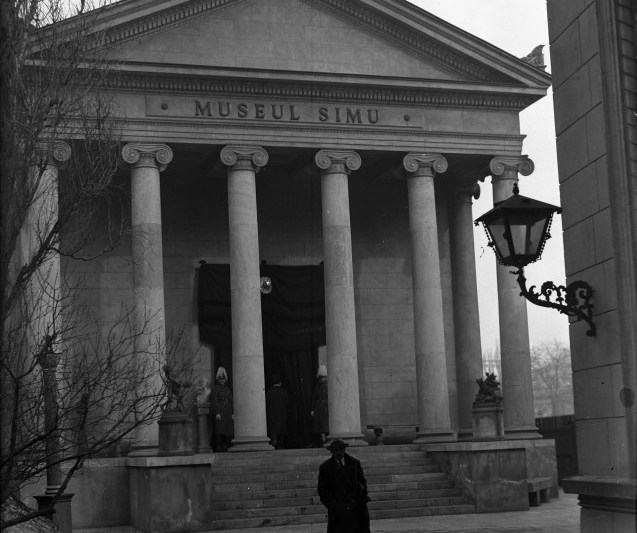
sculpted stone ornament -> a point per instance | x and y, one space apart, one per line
244 157
425 164
337 160
55 152
536 57
466 192
488 390
147 155
175 391
505 165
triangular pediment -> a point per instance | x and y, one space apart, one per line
284 35
369 38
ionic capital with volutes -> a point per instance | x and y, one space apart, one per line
511 166
465 191
244 157
337 161
147 155
424 165
53 152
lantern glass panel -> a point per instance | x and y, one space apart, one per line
527 235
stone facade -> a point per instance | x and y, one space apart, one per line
308 131
593 56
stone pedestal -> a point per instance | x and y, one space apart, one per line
488 421
61 511
175 434
203 429
494 473
170 494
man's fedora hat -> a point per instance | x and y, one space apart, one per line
337 444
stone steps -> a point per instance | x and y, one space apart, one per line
279 488
377 474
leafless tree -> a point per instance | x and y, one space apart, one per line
552 378
72 386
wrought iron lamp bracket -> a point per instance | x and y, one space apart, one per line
572 300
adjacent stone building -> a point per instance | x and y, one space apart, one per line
593 46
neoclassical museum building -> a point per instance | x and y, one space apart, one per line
302 173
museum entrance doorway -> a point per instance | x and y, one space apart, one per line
297 369
293 327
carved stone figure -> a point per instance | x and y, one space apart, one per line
536 57
488 390
203 391
175 391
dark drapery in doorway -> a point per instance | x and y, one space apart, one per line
293 318
293 314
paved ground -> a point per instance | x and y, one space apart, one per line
560 515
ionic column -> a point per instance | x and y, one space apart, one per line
465 302
250 426
340 317
147 161
431 366
44 284
515 354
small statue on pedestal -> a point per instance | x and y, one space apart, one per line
203 391
488 390
175 391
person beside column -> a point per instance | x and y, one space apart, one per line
431 365
250 425
515 353
465 301
340 317
147 162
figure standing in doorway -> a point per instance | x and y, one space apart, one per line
276 403
320 412
221 405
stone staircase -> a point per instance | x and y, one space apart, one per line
264 489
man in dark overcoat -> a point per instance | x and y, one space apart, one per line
342 488
276 404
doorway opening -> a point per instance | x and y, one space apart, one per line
293 325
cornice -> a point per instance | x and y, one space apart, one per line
164 20
328 92
413 41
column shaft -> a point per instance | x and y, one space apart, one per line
465 305
431 365
340 316
245 299
148 268
515 353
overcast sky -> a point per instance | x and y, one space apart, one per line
516 26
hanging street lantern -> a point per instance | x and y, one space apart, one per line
517 229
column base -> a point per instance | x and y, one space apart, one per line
351 439
522 432
144 450
435 435
60 512
251 444
465 434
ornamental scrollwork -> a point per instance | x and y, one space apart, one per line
427 164
324 159
522 165
571 300
255 156
151 155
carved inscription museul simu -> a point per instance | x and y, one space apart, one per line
284 112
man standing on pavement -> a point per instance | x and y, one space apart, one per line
342 488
